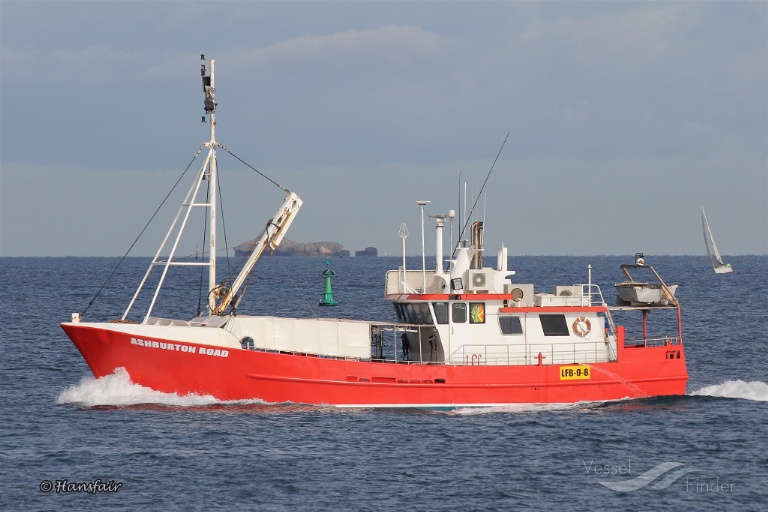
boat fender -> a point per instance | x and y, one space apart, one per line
582 326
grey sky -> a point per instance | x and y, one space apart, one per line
624 119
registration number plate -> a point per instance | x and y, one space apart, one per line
574 372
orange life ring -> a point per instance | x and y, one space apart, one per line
582 326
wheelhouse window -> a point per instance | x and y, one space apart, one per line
441 312
413 313
422 313
477 312
400 313
510 325
554 325
458 312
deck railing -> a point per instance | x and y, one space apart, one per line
653 342
553 353
386 346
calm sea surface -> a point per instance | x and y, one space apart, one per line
707 450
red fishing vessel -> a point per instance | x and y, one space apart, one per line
467 335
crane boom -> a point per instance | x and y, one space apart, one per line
271 237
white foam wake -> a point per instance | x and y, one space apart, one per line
526 408
117 389
754 390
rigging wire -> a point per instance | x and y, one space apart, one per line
202 268
231 272
82 315
223 222
254 169
285 271
469 216
205 234
109 278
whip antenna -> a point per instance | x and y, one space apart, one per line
469 216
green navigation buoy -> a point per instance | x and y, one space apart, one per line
328 298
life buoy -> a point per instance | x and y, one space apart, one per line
582 326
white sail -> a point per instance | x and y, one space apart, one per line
719 266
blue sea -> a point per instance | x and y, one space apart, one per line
70 442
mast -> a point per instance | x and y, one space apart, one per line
209 88
208 171
220 296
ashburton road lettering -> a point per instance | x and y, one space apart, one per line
179 347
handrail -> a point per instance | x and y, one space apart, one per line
653 342
557 353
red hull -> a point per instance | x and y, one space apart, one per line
277 378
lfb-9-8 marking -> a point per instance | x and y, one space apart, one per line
574 372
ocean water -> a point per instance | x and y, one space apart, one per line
62 431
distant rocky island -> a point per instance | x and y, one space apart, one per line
368 251
291 248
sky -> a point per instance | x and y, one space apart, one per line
621 120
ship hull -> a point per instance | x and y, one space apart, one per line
234 374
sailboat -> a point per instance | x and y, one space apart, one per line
717 262
466 336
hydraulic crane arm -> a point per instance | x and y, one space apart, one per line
272 236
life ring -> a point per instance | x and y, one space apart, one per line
582 326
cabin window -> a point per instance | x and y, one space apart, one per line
554 325
414 313
477 312
441 312
510 325
400 313
404 313
422 313
458 312
408 314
